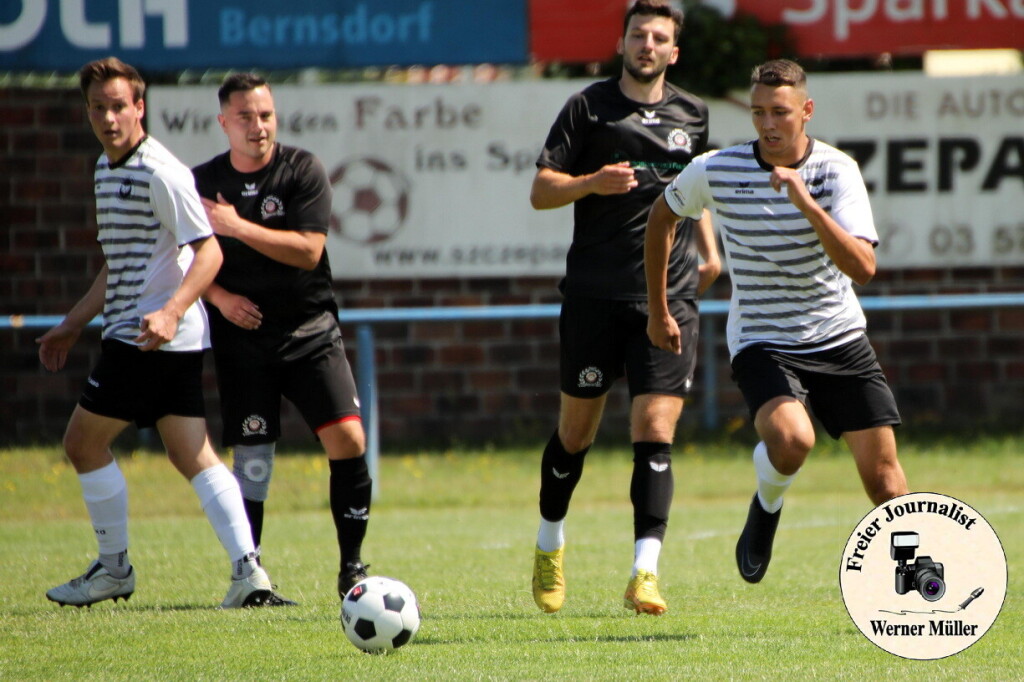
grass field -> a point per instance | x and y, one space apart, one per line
459 529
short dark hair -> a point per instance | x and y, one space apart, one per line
109 68
240 82
660 8
779 72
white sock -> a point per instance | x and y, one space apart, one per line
221 498
551 535
646 554
106 497
771 485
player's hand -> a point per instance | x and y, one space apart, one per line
55 344
223 216
239 310
157 329
664 333
615 178
796 190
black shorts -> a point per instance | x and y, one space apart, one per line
308 367
602 340
144 386
844 386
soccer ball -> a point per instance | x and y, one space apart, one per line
380 614
371 200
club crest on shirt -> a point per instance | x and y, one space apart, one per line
649 118
271 207
680 139
125 190
254 425
591 377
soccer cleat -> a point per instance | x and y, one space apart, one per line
548 580
350 574
277 600
255 590
642 594
754 548
95 585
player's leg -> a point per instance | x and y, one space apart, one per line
87 442
774 395
317 379
874 451
658 382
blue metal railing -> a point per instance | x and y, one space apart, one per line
365 319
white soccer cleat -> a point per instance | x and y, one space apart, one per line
255 590
95 585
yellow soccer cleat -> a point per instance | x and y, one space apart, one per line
642 594
548 580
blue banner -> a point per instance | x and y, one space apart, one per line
170 35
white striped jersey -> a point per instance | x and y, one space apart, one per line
786 291
147 212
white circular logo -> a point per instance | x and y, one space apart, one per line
371 200
923 576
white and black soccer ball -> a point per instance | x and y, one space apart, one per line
371 200
380 614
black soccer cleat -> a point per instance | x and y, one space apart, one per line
351 573
754 549
274 599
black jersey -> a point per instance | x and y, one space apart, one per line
600 126
291 193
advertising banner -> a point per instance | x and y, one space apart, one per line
169 35
434 180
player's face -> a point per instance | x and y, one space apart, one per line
249 120
780 114
115 116
648 47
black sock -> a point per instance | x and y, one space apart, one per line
559 474
254 510
351 488
651 489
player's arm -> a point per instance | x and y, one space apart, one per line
55 344
235 308
160 326
554 189
661 232
300 249
707 247
853 255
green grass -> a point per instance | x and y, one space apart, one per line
459 529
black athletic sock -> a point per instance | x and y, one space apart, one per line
651 489
559 474
351 488
254 510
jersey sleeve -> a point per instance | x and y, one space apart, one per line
851 208
565 138
689 192
176 205
310 205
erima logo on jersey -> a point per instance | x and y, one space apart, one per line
677 194
254 425
250 190
744 188
649 118
680 139
591 377
271 207
93 382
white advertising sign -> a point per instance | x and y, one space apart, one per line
434 180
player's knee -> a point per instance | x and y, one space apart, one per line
253 466
788 451
889 482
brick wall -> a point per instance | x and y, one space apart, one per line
448 382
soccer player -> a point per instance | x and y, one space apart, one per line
797 228
160 256
612 150
274 318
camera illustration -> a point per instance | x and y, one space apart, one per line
923 575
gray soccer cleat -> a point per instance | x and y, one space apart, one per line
95 585
254 590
